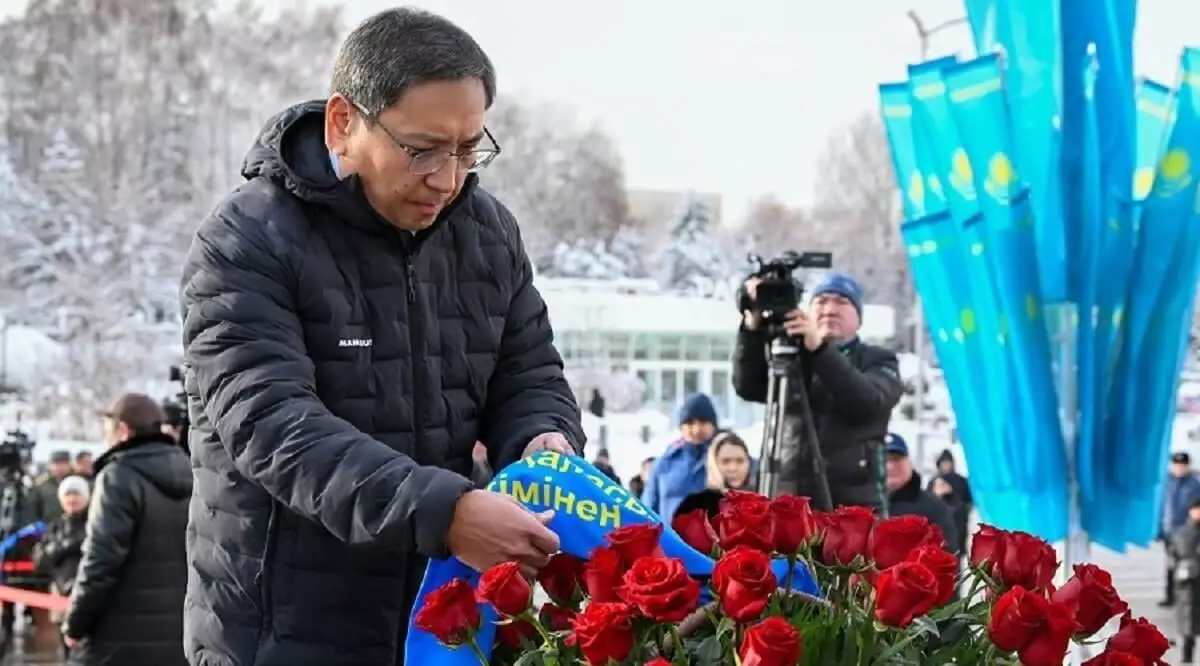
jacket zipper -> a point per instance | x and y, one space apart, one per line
416 343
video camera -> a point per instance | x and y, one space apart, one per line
176 409
15 450
779 291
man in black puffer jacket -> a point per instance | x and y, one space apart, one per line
356 317
127 602
852 388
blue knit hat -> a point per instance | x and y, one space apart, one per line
697 407
842 285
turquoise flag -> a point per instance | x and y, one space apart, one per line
937 133
1170 237
919 196
588 505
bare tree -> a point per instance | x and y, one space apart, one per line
126 120
563 183
858 213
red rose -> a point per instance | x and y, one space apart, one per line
450 613
633 542
505 589
744 582
562 578
1091 595
943 565
745 520
602 574
516 634
903 592
847 534
555 617
794 524
987 547
1028 561
695 530
604 631
772 642
1031 625
894 539
1113 658
1050 643
658 661
1139 638
661 588
1015 617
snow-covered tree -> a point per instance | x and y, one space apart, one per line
692 260
585 259
629 247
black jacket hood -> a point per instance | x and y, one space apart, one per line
158 459
290 151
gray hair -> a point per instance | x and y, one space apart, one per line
399 48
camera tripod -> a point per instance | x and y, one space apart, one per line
784 362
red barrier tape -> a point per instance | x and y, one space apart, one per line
31 599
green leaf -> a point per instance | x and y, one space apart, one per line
531 659
925 626
710 652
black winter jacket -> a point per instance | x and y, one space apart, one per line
910 499
851 393
58 552
127 603
340 372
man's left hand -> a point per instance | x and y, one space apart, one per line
798 324
549 441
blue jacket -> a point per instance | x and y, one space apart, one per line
1178 494
676 474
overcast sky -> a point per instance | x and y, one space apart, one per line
735 98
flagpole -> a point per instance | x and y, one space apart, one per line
1075 546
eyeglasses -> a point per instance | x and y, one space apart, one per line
428 161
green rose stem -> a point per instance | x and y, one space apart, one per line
483 660
787 581
530 617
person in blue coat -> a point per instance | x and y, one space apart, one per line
1181 489
680 471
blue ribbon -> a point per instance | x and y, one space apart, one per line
587 505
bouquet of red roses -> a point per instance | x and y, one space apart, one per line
892 595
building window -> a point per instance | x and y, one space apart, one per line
722 348
616 345
670 387
691 382
720 386
670 347
645 346
696 347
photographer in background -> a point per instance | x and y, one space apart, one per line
852 388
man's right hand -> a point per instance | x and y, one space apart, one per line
490 528
750 318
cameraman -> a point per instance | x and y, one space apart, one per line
852 389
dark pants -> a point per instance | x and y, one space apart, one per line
1170 597
1189 649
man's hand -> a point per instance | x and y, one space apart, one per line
798 324
490 528
71 643
549 441
751 319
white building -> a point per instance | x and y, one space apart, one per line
676 345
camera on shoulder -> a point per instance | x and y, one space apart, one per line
779 290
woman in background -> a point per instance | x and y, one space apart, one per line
729 466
